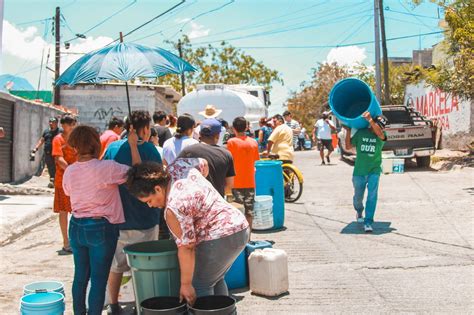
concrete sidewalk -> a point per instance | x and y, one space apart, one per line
21 213
24 206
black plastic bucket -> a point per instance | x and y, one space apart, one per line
213 305
163 305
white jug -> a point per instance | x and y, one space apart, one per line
268 271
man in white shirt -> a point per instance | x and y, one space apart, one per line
322 133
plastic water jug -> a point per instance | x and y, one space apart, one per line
387 166
268 271
349 99
269 181
263 213
45 303
254 245
398 165
44 286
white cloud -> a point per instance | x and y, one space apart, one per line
182 20
198 30
24 44
28 45
348 56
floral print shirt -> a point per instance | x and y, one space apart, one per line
200 210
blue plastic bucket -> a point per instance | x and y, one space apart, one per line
269 181
46 303
263 213
349 99
398 166
44 286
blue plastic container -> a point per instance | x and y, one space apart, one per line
253 245
238 275
44 286
349 99
269 181
46 303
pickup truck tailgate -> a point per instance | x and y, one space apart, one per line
403 138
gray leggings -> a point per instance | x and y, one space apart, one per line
213 259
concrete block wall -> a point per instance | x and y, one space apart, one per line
29 122
96 104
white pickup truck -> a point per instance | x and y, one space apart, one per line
409 135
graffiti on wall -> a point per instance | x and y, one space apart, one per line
451 112
106 115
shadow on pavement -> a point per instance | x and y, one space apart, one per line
269 231
358 228
272 298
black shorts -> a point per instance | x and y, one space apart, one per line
326 143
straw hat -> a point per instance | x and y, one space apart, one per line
210 111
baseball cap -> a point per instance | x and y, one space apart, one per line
210 127
53 119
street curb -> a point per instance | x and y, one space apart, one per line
11 231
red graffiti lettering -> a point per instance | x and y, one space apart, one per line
436 103
425 105
430 101
455 103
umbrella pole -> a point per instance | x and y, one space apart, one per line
128 100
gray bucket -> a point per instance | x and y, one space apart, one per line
213 305
163 305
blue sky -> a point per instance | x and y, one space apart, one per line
320 24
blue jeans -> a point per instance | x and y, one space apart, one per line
370 181
93 243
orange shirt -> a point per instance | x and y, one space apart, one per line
244 150
61 148
105 139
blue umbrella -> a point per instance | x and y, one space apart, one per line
123 61
11 82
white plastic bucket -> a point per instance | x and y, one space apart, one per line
387 166
263 213
398 166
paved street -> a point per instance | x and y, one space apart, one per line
419 258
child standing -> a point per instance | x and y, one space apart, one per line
368 143
92 185
244 150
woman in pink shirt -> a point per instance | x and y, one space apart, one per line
210 233
97 210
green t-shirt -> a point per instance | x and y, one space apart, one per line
369 152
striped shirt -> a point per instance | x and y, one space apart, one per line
293 124
93 188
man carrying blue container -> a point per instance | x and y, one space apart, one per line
368 143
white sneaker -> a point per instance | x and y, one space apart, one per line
359 217
368 228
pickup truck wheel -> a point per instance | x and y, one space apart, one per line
423 161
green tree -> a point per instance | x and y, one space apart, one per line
308 104
456 74
223 64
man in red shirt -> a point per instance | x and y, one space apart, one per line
110 135
244 150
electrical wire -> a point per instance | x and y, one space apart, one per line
149 21
414 15
105 20
284 30
199 15
34 21
67 25
364 21
410 13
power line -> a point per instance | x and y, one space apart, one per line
334 46
284 30
199 15
410 13
414 15
149 21
105 20
34 21
364 21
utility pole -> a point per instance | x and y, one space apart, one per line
385 56
183 87
57 64
378 87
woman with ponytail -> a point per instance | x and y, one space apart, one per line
182 139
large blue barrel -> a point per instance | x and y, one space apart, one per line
269 181
349 99
238 275
46 303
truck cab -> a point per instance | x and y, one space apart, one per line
409 135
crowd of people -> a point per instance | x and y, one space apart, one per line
150 177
